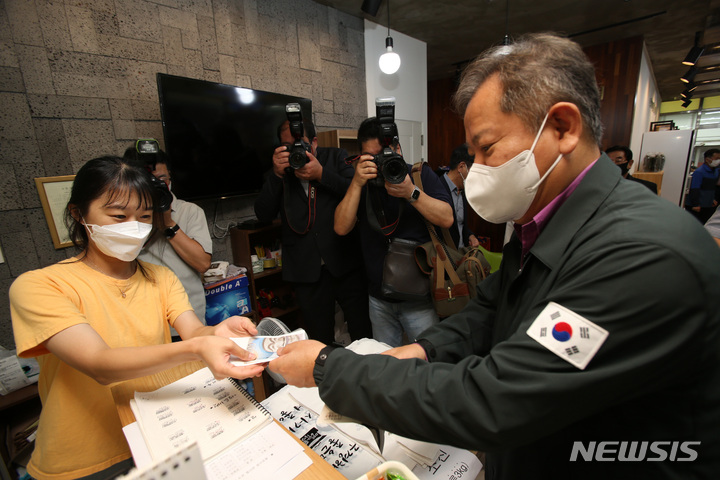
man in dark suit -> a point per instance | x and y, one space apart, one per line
453 181
322 266
623 158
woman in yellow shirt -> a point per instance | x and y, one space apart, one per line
103 317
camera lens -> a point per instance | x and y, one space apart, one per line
164 197
394 169
298 158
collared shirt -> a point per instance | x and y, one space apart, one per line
192 221
529 232
459 207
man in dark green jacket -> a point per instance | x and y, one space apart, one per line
594 352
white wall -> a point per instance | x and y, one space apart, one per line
647 106
408 85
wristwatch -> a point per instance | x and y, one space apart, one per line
414 195
171 231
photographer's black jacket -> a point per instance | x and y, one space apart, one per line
303 251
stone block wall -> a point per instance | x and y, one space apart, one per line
77 80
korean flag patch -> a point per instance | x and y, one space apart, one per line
568 335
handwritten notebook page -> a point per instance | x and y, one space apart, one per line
197 408
345 454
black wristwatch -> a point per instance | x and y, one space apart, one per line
414 195
170 232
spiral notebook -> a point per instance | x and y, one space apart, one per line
197 408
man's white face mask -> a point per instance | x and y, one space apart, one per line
503 193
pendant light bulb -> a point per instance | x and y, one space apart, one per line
389 61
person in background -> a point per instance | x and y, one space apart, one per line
454 179
713 226
103 317
322 266
184 246
623 158
405 208
701 200
603 318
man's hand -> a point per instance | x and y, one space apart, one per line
412 350
312 170
236 326
400 190
473 241
297 361
280 160
365 169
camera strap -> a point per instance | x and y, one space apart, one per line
295 209
416 173
376 212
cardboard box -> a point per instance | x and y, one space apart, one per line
226 298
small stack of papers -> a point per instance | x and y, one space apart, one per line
15 372
221 270
216 272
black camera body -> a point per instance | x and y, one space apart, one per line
391 166
298 149
147 152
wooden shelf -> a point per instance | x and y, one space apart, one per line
242 243
267 272
19 396
19 409
340 138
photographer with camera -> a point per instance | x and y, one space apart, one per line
306 184
185 246
382 192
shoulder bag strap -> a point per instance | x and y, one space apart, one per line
416 174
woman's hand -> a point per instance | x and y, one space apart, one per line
217 352
236 326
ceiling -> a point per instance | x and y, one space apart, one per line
455 31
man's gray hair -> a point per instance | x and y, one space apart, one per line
536 72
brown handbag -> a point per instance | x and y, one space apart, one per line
453 274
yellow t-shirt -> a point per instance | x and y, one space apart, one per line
79 431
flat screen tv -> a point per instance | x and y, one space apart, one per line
220 138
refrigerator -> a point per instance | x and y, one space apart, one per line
677 146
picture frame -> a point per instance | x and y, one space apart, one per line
54 194
662 126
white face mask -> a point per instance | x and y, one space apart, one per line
715 163
120 240
504 193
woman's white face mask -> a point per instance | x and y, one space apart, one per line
120 240
503 193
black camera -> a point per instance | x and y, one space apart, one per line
147 150
297 150
391 166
